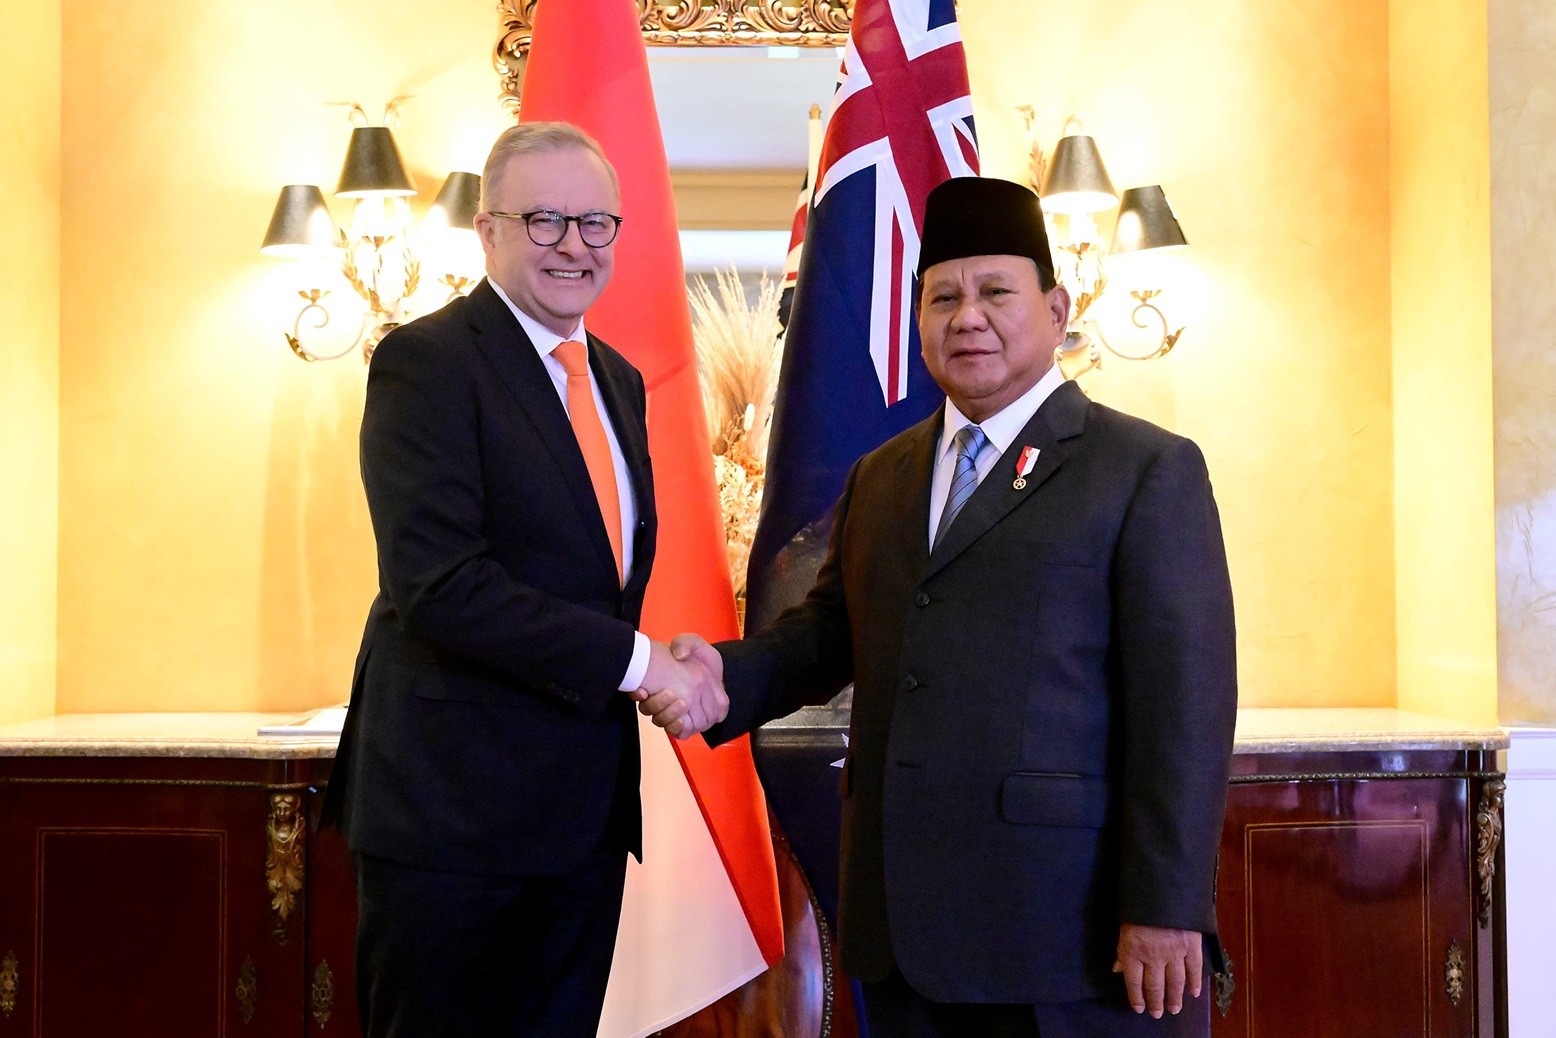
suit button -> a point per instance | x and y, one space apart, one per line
921 599
909 683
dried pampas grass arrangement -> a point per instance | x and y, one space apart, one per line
738 353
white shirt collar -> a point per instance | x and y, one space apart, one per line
1004 426
544 339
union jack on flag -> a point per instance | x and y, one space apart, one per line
900 122
904 112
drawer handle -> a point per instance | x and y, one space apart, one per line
323 993
10 983
248 990
1453 973
1225 985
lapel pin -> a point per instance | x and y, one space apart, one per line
1024 466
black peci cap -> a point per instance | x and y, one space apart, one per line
982 216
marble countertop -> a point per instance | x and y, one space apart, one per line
315 733
1264 730
173 735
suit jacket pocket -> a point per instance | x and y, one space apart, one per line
1043 798
458 686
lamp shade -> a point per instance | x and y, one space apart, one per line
457 202
1076 180
301 223
1146 221
373 165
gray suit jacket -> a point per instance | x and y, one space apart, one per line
1043 707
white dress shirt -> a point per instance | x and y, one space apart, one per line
1001 428
545 342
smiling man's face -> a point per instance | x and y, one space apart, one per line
554 284
989 330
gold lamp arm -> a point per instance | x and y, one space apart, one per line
1143 316
313 306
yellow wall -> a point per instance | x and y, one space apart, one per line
1522 53
214 549
1268 126
29 364
1445 540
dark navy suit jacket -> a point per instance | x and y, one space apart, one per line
486 732
1043 706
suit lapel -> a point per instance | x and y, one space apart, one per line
1052 430
907 507
513 356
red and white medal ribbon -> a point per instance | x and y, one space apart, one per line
1024 466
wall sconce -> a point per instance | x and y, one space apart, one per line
378 254
1074 189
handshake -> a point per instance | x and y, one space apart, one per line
683 688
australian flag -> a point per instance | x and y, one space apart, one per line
852 377
791 264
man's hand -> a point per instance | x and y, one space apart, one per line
694 646
1157 963
681 692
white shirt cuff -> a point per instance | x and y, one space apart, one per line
637 667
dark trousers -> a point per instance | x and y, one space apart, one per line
442 955
893 1009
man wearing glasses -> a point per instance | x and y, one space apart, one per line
487 778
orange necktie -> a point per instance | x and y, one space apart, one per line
592 441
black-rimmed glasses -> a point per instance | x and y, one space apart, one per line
547 227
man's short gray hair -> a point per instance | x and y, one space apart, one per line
530 138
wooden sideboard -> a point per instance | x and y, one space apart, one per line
1357 895
165 896
159 876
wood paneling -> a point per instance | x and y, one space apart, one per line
1340 899
131 931
133 892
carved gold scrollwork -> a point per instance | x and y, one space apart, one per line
10 983
1453 973
1488 835
248 990
1225 985
715 23
284 858
322 994
512 50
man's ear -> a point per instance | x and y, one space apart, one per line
1058 299
485 226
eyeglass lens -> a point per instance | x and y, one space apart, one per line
547 228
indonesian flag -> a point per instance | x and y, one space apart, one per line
702 914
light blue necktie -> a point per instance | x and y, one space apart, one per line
969 443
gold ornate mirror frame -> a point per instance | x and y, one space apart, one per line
675 23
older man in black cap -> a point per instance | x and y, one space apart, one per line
1030 593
